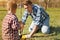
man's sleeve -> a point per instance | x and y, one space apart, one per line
38 18
44 13
24 17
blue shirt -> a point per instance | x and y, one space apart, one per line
38 15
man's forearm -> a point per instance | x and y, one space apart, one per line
34 30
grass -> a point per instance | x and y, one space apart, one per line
54 14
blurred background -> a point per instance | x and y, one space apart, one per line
44 3
52 7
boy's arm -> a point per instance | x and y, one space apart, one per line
15 24
21 26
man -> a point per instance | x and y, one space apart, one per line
39 16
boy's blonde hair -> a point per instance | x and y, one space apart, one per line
11 5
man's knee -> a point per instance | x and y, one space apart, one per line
45 29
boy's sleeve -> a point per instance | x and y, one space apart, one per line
24 17
37 20
15 24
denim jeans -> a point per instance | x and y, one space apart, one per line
45 23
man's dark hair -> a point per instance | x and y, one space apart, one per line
27 2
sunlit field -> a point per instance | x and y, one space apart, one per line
54 14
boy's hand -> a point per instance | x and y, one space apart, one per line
21 26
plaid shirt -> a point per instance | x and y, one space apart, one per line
38 15
10 27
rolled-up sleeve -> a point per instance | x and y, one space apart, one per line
24 17
38 17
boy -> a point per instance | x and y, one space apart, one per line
10 23
39 16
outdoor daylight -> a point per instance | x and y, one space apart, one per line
29 19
